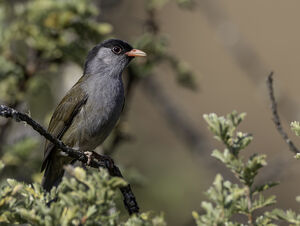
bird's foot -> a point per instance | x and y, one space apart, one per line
109 163
89 155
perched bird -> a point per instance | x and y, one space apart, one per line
91 108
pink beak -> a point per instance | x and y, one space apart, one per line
136 53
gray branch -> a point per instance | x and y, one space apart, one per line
276 118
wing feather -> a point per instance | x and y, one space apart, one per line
63 116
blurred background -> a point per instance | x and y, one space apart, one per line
204 56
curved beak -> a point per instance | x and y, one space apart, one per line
136 53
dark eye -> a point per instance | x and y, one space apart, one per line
117 49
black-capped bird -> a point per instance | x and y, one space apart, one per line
91 108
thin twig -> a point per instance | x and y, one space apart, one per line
101 162
276 118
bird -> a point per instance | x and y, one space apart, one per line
90 109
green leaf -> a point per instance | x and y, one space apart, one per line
264 187
288 216
295 126
254 163
263 202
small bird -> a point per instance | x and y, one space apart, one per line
91 108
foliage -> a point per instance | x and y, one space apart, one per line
85 198
38 36
295 126
21 153
288 216
229 200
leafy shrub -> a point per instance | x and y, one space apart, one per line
230 201
84 198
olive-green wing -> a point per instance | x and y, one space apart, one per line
63 116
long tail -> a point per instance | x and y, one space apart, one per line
54 172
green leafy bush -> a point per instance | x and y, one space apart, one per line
84 198
230 201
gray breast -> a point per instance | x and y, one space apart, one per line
102 110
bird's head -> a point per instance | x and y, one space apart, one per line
110 57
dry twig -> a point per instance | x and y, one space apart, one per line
276 118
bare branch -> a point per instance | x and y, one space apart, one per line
100 162
276 118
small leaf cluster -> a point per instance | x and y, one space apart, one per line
289 216
295 126
53 28
230 200
83 198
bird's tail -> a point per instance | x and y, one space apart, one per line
54 172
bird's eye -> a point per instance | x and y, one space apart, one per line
117 49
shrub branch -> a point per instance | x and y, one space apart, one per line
276 118
98 161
